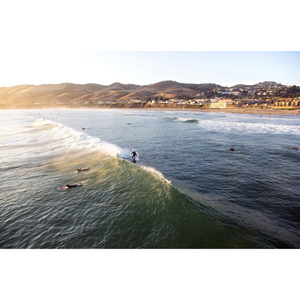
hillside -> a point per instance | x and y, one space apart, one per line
80 94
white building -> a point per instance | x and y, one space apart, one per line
219 103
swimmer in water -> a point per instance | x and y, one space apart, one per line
232 149
295 148
69 186
83 170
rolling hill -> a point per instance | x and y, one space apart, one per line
79 94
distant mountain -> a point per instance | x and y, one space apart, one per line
173 84
241 86
162 85
119 86
70 93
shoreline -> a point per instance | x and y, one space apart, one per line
249 111
256 111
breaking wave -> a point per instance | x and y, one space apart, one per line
179 119
250 127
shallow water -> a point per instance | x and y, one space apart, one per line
186 190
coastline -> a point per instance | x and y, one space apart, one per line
256 111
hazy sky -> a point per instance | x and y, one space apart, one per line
133 42
146 67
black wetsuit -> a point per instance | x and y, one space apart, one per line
73 185
82 170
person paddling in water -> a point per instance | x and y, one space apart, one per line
133 155
69 186
83 170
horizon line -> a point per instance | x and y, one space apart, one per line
117 82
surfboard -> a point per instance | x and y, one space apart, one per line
135 159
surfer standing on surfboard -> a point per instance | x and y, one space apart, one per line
133 155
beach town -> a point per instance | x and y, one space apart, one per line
266 97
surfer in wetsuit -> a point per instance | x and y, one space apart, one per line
133 155
232 149
83 170
69 186
295 148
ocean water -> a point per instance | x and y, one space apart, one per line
186 189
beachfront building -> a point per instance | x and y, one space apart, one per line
202 101
287 102
220 103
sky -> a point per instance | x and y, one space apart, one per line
226 68
222 42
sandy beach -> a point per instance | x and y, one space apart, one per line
256 111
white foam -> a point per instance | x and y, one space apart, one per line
57 138
188 120
73 139
254 125
179 119
169 112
